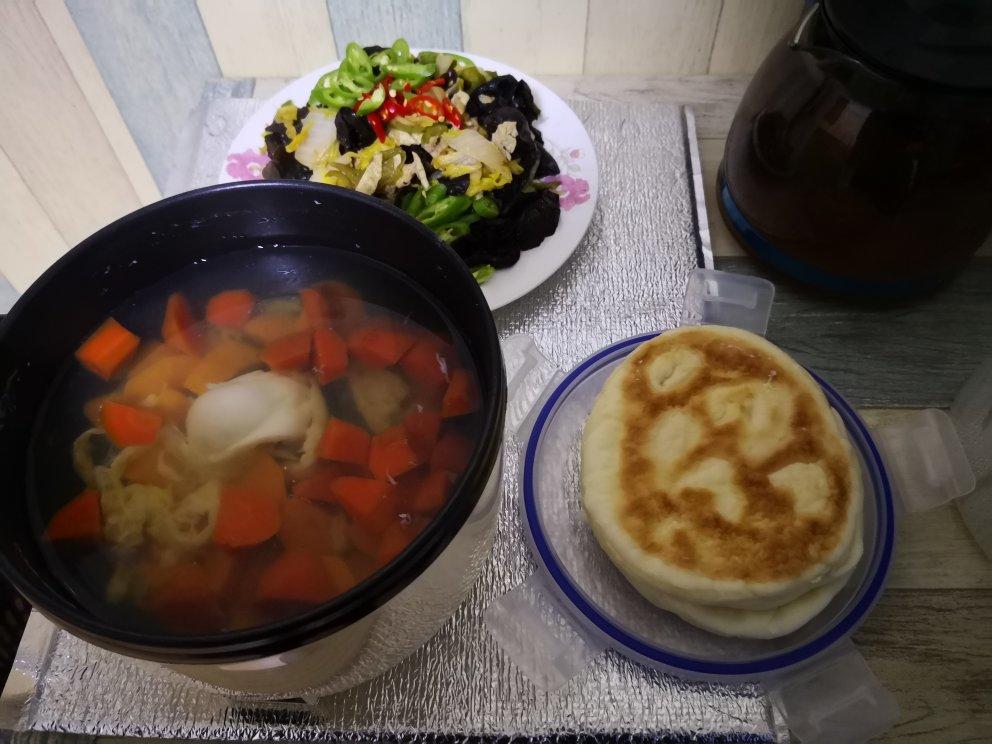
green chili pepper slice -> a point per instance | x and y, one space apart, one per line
458 229
447 210
483 273
400 50
373 102
486 207
436 193
404 203
357 62
472 76
412 72
416 204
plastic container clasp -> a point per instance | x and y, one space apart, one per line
715 297
934 457
539 636
529 625
835 699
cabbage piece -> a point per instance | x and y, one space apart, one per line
191 522
82 455
127 509
369 181
255 408
318 422
321 134
472 144
505 138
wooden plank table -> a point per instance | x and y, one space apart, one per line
929 640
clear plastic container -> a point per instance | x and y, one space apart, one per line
578 603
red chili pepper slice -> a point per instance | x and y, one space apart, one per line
376 121
451 113
435 83
426 105
391 109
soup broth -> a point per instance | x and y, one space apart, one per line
250 439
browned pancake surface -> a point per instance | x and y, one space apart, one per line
770 539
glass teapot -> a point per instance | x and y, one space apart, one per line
860 158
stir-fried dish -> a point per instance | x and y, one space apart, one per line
260 456
453 145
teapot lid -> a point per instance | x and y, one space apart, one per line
943 42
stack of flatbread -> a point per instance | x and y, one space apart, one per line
720 482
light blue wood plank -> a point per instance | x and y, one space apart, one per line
155 58
423 23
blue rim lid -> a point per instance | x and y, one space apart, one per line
621 639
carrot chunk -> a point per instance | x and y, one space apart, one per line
317 485
344 442
289 352
431 492
461 396
379 346
271 327
452 453
369 503
128 426
296 576
264 476
423 425
315 308
227 359
230 309
330 355
78 520
426 364
245 518
390 454
107 349
179 326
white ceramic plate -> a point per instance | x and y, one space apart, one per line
564 137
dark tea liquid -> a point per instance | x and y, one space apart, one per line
857 175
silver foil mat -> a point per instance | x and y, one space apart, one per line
627 277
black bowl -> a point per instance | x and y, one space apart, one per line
86 285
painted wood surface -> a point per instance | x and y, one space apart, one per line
31 240
746 32
423 23
539 36
51 135
155 58
933 651
912 353
260 37
84 70
661 37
